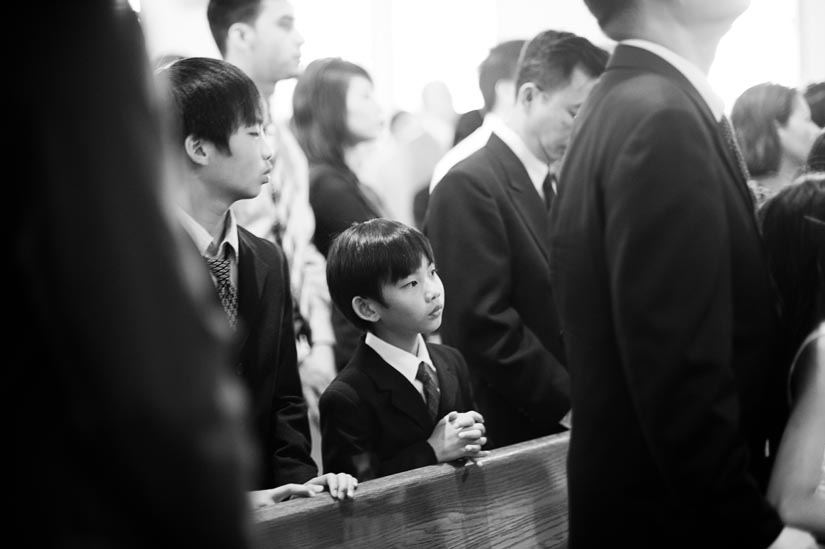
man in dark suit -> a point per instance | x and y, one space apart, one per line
664 296
487 220
395 406
228 159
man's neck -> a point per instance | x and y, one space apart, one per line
266 89
695 45
210 212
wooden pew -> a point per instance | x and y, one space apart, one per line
515 497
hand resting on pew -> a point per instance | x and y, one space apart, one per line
459 435
340 486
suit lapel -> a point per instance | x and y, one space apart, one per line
521 191
447 383
402 395
252 276
638 58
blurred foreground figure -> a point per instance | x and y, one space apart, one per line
663 290
126 429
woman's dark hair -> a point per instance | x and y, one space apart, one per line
793 227
755 116
319 109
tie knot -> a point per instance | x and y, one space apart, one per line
423 374
219 267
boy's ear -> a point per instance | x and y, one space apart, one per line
365 309
196 150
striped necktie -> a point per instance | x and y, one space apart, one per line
432 395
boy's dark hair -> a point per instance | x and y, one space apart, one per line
550 57
501 64
816 157
211 99
793 228
222 14
368 255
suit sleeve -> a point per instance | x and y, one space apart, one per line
349 434
469 239
667 251
292 459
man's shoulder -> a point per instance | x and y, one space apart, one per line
263 249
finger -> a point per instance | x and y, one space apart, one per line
452 416
470 433
472 448
482 441
476 416
332 484
353 485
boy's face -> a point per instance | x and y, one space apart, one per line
414 304
240 173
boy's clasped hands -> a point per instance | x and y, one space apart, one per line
459 435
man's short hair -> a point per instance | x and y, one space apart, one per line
501 64
815 97
550 57
755 116
211 99
369 255
222 14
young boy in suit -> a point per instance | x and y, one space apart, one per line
396 404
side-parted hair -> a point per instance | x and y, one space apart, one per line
755 116
550 57
793 228
319 109
368 255
211 99
500 64
222 14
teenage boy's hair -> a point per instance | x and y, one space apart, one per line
368 255
211 99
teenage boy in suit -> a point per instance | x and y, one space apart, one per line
396 404
665 298
227 159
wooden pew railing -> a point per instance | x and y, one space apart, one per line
515 497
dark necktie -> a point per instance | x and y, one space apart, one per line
733 146
549 193
221 269
431 391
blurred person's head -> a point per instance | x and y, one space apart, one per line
774 129
497 75
793 228
556 72
259 36
816 158
333 109
219 120
623 19
815 97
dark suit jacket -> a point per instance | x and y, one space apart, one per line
489 231
268 364
669 319
373 421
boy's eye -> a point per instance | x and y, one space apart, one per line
410 284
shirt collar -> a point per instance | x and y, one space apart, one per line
406 363
690 71
226 248
536 168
